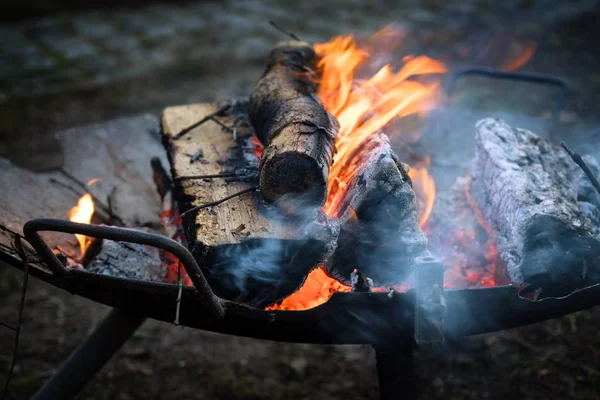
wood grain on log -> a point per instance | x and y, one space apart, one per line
248 252
298 133
380 232
526 190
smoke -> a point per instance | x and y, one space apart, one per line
262 271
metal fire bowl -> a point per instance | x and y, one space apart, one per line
347 318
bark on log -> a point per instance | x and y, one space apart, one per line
248 252
298 133
380 232
526 190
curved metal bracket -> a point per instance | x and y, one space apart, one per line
209 300
516 76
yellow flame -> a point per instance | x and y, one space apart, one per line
82 213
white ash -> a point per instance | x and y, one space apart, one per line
129 261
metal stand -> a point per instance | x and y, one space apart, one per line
396 371
83 364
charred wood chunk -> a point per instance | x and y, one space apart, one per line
380 233
248 251
297 131
527 191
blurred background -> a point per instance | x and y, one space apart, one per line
68 63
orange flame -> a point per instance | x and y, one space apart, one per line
424 187
521 59
94 180
82 213
363 108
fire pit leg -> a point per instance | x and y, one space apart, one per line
83 364
396 371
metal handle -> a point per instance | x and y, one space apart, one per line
516 76
210 301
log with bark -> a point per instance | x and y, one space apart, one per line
380 233
247 250
297 131
526 189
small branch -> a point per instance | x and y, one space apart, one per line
178 293
217 202
221 124
12 328
579 161
5 229
280 29
19 249
97 202
203 120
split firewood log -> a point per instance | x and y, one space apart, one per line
297 131
526 190
248 251
380 232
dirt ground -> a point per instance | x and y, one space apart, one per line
557 359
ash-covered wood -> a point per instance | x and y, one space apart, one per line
102 150
128 261
526 189
380 233
248 251
297 131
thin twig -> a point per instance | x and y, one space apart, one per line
280 29
217 202
178 293
97 202
23 256
221 124
84 187
579 161
203 120
5 229
12 328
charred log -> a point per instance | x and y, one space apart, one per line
380 233
526 191
297 131
247 250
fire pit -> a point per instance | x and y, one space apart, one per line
276 242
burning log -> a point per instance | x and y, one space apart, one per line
297 131
526 191
248 251
380 233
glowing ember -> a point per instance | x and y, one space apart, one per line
93 181
424 187
363 108
82 213
317 289
520 60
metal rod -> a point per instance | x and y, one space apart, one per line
211 303
83 364
396 372
517 76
